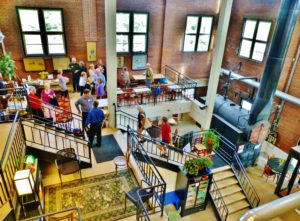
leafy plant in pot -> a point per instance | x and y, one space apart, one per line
7 66
192 167
211 141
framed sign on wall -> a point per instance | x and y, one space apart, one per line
91 51
61 63
34 64
139 62
120 62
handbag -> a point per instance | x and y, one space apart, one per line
147 123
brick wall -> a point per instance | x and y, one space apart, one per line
73 19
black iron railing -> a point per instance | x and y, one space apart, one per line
218 201
62 215
176 77
11 161
62 118
48 139
151 176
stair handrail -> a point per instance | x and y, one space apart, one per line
242 176
55 213
40 121
53 133
179 73
217 196
151 174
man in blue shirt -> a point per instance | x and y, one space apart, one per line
94 119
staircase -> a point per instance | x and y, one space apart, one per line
231 192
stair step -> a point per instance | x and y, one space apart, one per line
221 169
229 199
226 182
230 190
237 215
224 175
237 206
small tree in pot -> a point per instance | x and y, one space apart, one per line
211 141
192 167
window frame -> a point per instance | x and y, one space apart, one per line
254 40
131 33
198 32
43 33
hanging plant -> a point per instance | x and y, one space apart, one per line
211 141
7 66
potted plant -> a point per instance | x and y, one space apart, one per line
203 162
7 66
43 74
191 167
211 141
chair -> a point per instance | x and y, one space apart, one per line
67 162
145 194
121 162
268 172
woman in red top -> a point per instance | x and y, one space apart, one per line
47 95
166 136
35 104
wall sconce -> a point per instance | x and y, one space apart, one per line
24 182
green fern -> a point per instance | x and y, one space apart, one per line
7 66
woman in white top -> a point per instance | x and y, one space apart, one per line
92 70
126 76
82 82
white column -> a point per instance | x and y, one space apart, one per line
224 18
111 57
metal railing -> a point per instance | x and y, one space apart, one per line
48 139
62 118
11 161
218 201
156 186
178 78
66 214
153 145
157 94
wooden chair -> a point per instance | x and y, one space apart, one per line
268 172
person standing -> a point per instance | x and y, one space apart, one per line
166 136
82 82
141 122
100 89
149 75
99 74
35 104
94 120
75 69
86 102
48 96
101 65
126 76
62 81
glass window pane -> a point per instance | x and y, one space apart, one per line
55 39
139 43
53 20
203 43
56 49
34 49
259 51
122 22
206 23
122 43
33 39
263 31
189 43
249 28
140 22
191 24
245 48
29 20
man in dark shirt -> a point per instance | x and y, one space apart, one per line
75 69
94 119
